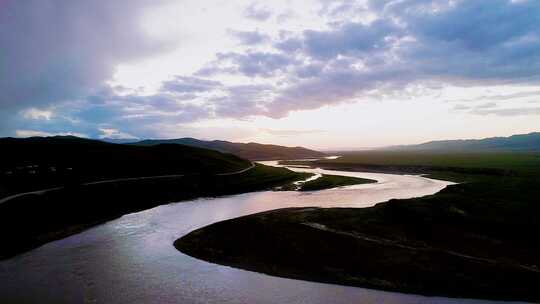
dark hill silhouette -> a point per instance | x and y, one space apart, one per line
515 143
41 162
252 151
52 187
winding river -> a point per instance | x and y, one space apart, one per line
132 259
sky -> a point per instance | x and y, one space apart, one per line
323 74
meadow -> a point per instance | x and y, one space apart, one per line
477 238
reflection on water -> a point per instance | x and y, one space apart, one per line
132 260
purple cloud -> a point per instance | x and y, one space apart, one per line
257 12
54 51
70 51
250 37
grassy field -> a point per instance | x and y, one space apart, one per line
474 239
332 181
29 164
522 163
457 167
32 220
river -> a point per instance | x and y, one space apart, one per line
132 259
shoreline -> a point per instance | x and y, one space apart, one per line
59 213
474 239
259 248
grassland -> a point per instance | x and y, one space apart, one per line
29 164
32 220
459 167
522 163
327 181
473 239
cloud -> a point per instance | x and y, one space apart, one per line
343 9
257 12
354 39
461 107
504 97
251 63
474 42
242 101
508 111
187 84
487 105
288 133
33 113
366 49
413 42
249 37
112 133
408 43
34 133
55 51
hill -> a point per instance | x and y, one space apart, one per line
252 151
41 162
52 187
476 239
515 143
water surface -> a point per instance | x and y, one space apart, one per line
132 259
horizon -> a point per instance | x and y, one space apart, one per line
327 75
322 149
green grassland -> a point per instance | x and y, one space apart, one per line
457 167
474 239
44 162
523 163
332 181
34 219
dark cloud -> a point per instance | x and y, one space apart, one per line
310 70
53 51
411 42
70 50
241 101
129 114
354 39
349 39
331 87
290 45
251 63
464 43
342 8
473 41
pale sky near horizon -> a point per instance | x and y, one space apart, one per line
318 73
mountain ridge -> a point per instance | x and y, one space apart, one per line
529 142
43 162
251 150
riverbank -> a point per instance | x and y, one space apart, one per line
476 239
134 253
325 181
456 167
32 220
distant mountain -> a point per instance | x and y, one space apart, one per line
522 142
252 151
119 140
